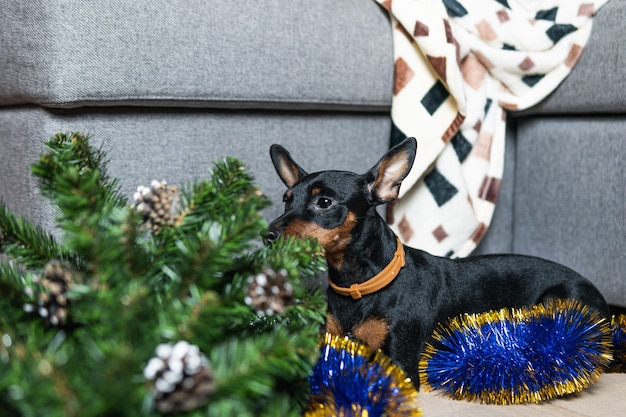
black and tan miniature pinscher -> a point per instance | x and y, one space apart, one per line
390 296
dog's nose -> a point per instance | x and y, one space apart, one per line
272 235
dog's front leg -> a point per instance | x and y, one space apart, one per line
333 327
405 351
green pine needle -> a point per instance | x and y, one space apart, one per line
72 171
29 245
133 288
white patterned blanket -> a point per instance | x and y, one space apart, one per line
460 65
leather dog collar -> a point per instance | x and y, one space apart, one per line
380 280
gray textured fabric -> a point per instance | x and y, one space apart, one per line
181 145
570 196
244 54
222 53
499 237
597 83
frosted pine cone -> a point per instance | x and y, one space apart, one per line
269 292
183 379
51 302
159 204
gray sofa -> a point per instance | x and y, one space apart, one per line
170 87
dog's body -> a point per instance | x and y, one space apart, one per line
339 209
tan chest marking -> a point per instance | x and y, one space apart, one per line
373 331
332 326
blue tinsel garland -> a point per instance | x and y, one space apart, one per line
503 357
350 379
619 344
518 355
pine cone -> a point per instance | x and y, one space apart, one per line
183 379
269 292
159 204
52 301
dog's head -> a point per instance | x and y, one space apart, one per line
328 205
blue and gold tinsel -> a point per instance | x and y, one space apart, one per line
523 355
619 344
350 379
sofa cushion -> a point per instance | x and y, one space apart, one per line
570 196
322 54
222 53
181 145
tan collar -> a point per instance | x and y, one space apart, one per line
380 280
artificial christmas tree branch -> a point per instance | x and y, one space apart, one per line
30 245
73 175
161 306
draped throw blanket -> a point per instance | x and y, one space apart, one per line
460 65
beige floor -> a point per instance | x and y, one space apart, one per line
606 398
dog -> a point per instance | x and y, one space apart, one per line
390 296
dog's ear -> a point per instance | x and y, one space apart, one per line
384 179
287 169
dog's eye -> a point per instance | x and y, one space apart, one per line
324 202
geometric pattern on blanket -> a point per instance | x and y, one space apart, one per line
459 66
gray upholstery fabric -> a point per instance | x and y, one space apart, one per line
222 53
570 196
180 145
499 236
312 55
